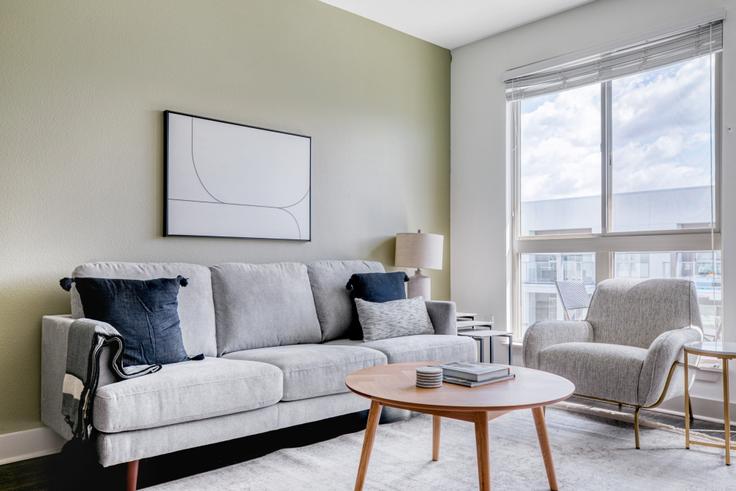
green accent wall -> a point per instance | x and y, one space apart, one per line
82 87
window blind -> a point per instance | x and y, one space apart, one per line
646 55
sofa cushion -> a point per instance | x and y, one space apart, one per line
144 312
331 299
374 287
187 391
313 370
423 347
196 309
383 320
263 305
605 371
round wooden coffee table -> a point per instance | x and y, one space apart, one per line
394 385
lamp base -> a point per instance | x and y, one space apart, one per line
419 286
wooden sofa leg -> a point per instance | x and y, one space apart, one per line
132 476
636 426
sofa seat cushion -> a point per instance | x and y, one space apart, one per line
313 370
187 391
605 371
422 347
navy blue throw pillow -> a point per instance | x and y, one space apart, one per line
374 287
145 312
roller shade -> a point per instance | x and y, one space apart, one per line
646 55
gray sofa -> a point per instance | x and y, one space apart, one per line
627 349
275 356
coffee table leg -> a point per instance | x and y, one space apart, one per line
370 433
436 427
482 451
549 466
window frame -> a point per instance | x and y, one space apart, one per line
605 243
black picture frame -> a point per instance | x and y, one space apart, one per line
166 164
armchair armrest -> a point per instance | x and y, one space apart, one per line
541 335
54 339
664 351
443 316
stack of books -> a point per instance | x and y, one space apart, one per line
475 374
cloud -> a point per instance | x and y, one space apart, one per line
661 135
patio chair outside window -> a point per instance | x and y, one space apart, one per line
574 298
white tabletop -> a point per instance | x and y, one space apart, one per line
714 348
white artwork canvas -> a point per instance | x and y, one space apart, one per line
232 180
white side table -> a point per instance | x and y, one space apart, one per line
465 316
480 335
724 352
473 324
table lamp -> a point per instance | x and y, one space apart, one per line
419 250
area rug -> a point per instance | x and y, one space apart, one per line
589 452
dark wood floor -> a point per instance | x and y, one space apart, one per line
41 473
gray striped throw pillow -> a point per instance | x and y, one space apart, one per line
382 320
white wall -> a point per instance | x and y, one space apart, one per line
479 214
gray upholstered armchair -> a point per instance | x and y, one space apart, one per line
626 351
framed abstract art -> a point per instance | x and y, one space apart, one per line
233 180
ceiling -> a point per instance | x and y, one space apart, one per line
453 23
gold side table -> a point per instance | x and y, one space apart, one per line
724 352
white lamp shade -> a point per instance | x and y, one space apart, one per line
419 250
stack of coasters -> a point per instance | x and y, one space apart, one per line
429 377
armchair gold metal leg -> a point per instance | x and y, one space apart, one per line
688 406
726 413
639 408
636 425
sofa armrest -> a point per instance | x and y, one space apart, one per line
664 351
443 316
541 335
54 337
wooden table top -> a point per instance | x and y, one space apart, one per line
395 384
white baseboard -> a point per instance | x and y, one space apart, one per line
28 444
703 408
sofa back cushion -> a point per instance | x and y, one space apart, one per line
635 312
196 308
331 298
263 305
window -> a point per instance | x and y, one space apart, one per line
560 163
658 168
661 163
539 299
625 165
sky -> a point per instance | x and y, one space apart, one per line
661 135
